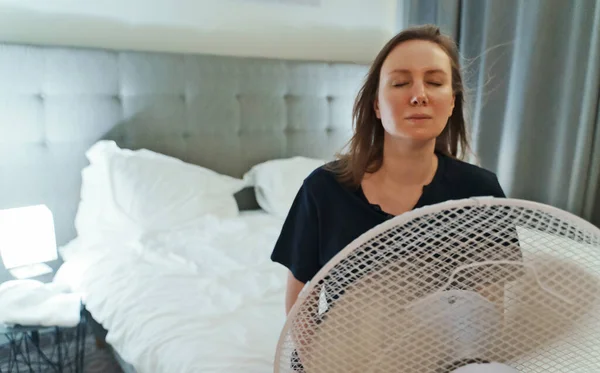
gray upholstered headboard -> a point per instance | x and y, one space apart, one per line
224 113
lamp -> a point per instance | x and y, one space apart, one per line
27 240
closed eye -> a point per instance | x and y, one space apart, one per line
435 84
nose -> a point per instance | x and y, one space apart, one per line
419 96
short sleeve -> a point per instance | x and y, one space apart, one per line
496 188
297 247
502 234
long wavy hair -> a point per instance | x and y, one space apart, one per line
365 148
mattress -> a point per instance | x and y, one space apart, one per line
199 299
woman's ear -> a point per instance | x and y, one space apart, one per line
376 108
452 105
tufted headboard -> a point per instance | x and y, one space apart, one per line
224 113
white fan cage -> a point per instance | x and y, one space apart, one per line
474 280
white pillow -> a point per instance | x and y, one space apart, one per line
276 182
127 193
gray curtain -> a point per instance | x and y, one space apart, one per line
533 72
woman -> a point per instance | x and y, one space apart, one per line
409 128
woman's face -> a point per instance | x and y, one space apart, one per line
415 96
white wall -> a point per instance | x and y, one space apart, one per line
339 30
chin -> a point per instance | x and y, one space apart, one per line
414 133
421 135
425 137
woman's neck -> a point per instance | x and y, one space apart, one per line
408 165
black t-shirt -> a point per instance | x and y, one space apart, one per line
326 215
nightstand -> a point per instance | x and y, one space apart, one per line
43 348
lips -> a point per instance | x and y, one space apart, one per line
419 116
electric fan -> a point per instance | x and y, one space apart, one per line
474 285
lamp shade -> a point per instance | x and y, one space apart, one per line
27 236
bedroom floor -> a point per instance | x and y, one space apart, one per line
99 361
96 360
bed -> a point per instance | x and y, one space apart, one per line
194 290
218 309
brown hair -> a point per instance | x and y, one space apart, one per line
365 152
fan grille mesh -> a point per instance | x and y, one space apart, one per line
469 281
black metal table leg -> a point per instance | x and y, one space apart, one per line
35 349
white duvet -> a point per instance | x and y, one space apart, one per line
201 299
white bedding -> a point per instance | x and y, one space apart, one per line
202 299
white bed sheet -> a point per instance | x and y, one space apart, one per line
202 299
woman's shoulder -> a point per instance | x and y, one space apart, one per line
322 176
323 180
471 177
464 168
